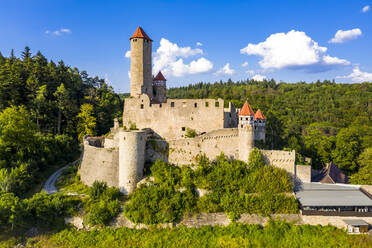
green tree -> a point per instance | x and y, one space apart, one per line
256 159
347 150
17 135
61 95
364 175
87 121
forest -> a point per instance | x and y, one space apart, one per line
45 109
324 121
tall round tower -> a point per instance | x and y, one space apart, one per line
246 132
131 159
140 64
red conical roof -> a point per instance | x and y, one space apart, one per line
139 33
259 115
246 109
160 77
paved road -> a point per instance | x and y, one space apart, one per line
49 186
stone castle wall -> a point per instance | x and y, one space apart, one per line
99 164
281 159
171 120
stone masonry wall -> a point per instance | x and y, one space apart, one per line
281 159
303 173
185 151
170 120
99 164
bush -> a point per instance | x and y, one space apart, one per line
102 211
103 204
274 234
234 187
97 189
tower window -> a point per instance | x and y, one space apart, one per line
217 104
160 105
172 104
207 104
246 119
141 106
241 125
183 129
195 105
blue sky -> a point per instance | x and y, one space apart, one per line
285 40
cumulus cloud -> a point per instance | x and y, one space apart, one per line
169 58
342 36
293 50
245 64
59 32
258 77
127 54
366 8
358 76
199 43
226 70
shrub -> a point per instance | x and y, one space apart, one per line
97 189
190 133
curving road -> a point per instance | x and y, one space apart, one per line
49 186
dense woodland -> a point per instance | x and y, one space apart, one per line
45 109
323 120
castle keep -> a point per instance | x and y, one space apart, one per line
174 130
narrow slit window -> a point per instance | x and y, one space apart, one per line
172 104
217 104
141 106
207 104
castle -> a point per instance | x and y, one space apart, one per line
173 130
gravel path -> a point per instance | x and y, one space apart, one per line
49 186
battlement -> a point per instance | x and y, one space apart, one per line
173 118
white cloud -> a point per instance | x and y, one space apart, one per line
199 43
343 36
129 74
65 30
168 58
58 32
258 77
294 50
226 70
358 76
245 64
250 72
127 54
366 8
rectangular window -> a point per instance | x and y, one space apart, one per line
183 129
160 105
141 106
217 104
207 104
195 105
172 104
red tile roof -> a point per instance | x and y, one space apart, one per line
259 115
246 109
160 77
139 33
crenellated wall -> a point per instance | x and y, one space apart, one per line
171 119
282 159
